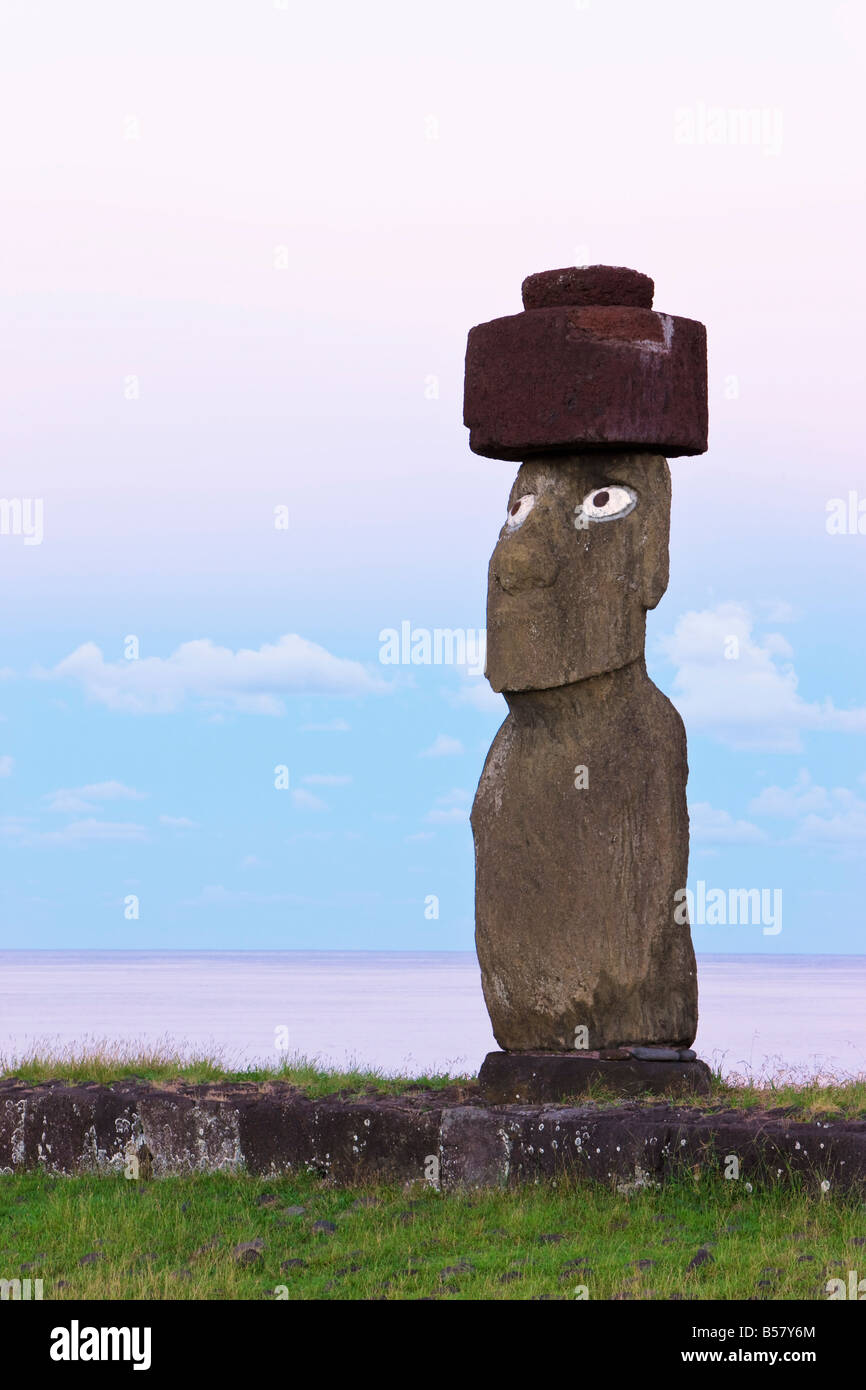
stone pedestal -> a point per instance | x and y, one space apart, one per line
540 1078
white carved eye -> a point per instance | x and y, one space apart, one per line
608 503
518 513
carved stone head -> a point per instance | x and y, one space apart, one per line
582 555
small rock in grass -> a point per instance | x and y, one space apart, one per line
452 1271
294 1264
91 1258
804 1259
208 1246
294 1211
551 1238
644 1264
366 1202
267 1199
702 1257
326 1228
248 1252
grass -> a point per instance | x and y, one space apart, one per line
163 1061
106 1238
804 1096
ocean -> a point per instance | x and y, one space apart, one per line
400 1011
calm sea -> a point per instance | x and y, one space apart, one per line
399 1011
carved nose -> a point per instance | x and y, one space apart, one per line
519 566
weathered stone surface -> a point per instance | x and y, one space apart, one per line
580 819
568 592
574 899
474 1149
262 1129
67 1129
478 1144
662 1054
337 1138
588 284
564 379
539 1078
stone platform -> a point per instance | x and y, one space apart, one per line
449 1138
542 1078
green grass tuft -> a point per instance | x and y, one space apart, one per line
106 1062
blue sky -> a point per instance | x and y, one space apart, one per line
211 313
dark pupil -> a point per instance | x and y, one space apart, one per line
601 499
515 509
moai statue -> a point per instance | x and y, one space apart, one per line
580 819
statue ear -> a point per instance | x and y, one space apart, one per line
655 564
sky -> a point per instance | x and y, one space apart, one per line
241 249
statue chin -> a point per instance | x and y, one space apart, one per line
517 661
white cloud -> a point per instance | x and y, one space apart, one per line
791 802
476 693
752 700
708 826
846 827
178 823
443 746
7 762
217 895
452 808
14 827
834 816
80 832
254 682
778 610
79 800
306 801
420 835
327 779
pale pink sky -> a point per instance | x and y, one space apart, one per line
256 127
